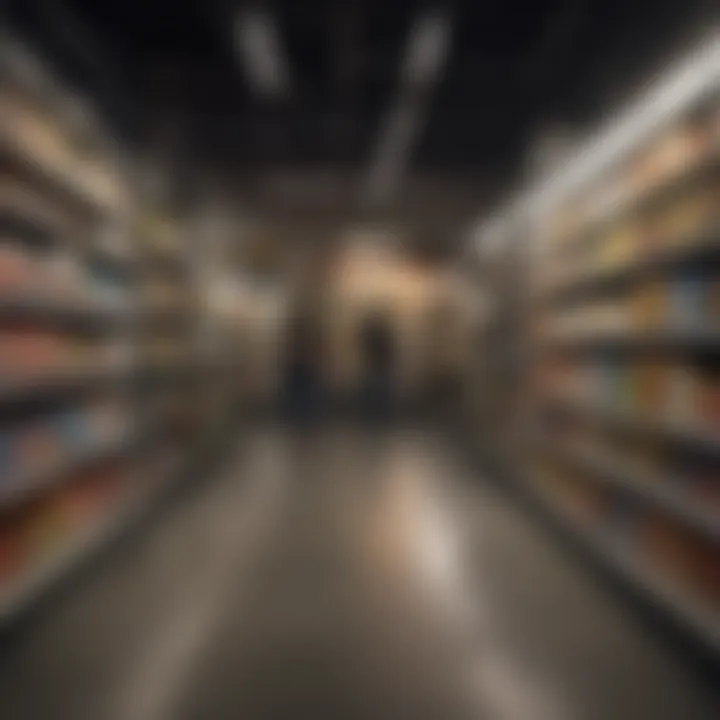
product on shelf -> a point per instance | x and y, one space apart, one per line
648 308
669 156
16 270
709 400
42 529
13 549
619 248
623 519
25 351
690 560
696 474
685 220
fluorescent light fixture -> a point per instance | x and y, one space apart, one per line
258 43
697 76
427 50
395 141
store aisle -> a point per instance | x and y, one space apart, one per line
343 575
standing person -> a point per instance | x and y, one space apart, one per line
378 384
302 376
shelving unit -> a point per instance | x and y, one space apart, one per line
621 323
696 617
626 380
92 426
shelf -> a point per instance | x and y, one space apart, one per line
166 262
704 248
659 192
32 388
46 573
161 319
15 493
63 314
698 437
693 615
661 492
21 155
27 223
683 339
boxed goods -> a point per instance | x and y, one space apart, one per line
13 549
16 270
691 560
648 306
709 399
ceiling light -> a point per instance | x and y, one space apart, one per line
426 52
427 49
258 44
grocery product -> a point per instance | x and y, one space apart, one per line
16 270
684 556
13 549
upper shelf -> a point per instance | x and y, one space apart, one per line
82 316
643 199
705 247
34 146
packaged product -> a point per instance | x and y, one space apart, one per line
685 219
712 300
589 500
81 500
72 429
646 459
697 475
623 518
13 550
650 386
683 555
14 351
47 528
106 288
16 270
691 300
669 156
66 281
104 420
649 306
8 456
618 248
40 448
42 350
709 399
114 354
682 395
611 379
85 354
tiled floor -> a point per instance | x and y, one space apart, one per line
346 575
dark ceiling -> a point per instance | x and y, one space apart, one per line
168 72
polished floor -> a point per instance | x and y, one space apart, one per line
343 574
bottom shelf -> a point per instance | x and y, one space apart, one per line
694 616
46 573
